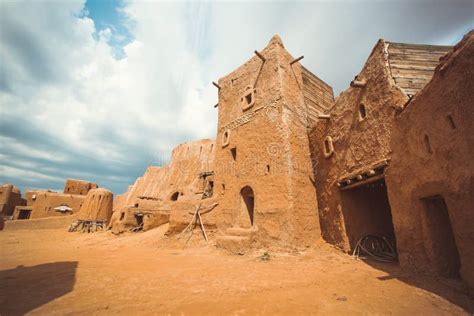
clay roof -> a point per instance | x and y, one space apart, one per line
413 65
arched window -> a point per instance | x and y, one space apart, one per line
328 147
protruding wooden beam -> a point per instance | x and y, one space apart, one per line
296 60
260 56
324 116
215 106
216 85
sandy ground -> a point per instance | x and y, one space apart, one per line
46 270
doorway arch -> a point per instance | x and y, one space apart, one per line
247 206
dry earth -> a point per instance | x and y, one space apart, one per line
46 270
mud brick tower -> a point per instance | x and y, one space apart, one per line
263 170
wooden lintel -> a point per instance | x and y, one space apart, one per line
363 182
376 165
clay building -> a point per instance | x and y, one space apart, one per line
46 203
391 156
263 171
351 148
10 196
430 177
179 186
80 187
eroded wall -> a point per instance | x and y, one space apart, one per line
97 206
44 202
154 190
432 143
73 186
10 196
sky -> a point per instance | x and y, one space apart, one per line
100 89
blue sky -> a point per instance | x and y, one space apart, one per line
99 90
108 14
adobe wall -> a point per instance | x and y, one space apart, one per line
155 188
176 187
10 196
73 186
432 142
358 144
97 206
44 202
269 139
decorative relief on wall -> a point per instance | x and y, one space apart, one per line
247 117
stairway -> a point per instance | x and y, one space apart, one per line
237 240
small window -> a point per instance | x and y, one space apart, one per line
122 216
175 196
426 140
226 138
451 121
328 147
248 99
223 188
268 169
233 151
362 112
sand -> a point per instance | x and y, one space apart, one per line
46 270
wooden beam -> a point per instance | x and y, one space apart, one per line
260 56
363 182
216 85
215 106
296 60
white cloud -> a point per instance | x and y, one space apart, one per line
62 90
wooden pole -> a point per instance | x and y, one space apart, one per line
260 56
296 60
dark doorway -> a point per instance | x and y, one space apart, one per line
247 207
24 214
438 233
367 212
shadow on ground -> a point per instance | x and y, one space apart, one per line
453 290
25 288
